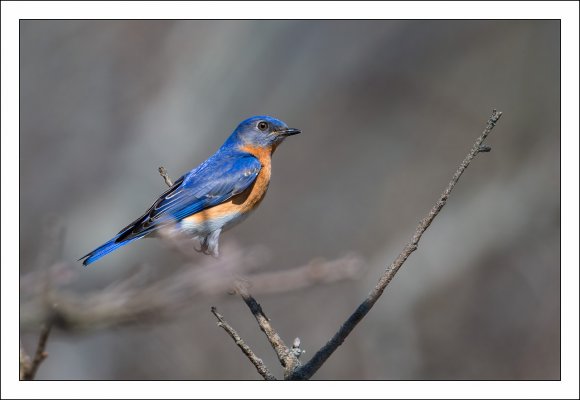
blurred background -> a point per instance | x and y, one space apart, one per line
388 109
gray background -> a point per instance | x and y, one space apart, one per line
387 108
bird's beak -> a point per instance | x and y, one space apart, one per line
289 132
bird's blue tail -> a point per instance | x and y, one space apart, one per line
106 248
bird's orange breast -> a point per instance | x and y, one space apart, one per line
246 201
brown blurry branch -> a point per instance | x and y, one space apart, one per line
146 298
143 299
293 370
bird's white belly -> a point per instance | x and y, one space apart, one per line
204 228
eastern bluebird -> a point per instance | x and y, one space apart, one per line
217 194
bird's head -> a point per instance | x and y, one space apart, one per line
261 132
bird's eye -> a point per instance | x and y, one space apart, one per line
263 126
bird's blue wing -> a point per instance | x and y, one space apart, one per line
212 183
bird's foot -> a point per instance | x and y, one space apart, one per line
210 244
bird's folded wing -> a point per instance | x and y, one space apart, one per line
208 185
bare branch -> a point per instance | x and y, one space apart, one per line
258 363
287 358
310 368
24 362
51 250
27 368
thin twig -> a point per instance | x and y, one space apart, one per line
286 357
310 368
163 173
40 355
53 234
258 363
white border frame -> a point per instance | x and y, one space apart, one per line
566 11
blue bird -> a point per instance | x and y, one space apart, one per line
215 195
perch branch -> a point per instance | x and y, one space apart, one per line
310 368
27 368
258 363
